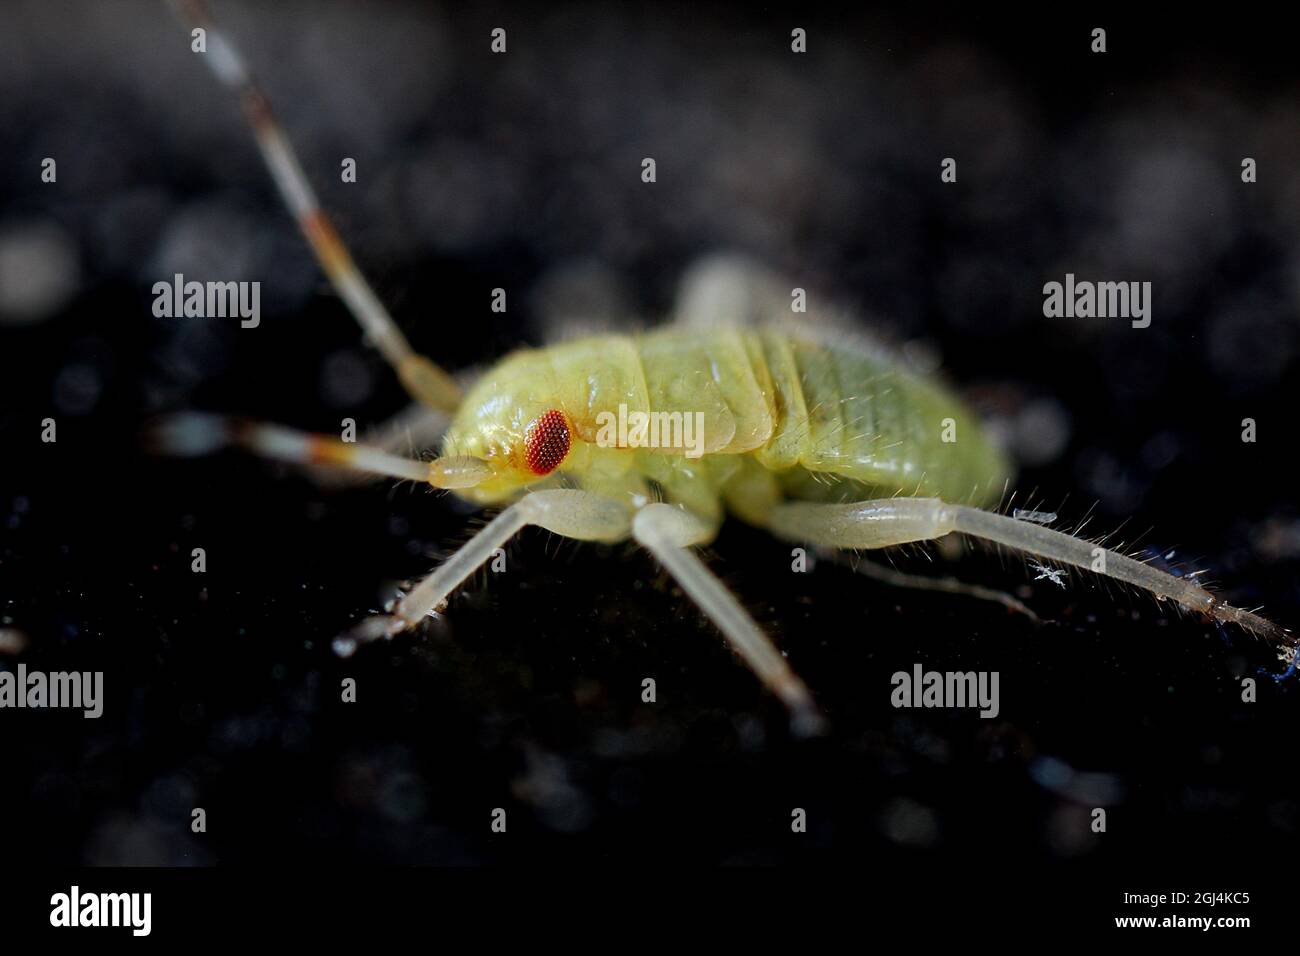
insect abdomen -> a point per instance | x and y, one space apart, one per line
859 414
793 402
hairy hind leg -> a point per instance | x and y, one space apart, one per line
668 532
878 524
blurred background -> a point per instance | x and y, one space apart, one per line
522 171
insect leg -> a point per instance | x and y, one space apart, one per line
921 582
196 433
421 377
878 524
668 532
721 291
730 291
1067 549
571 513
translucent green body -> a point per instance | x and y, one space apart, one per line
782 415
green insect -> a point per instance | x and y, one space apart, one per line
656 438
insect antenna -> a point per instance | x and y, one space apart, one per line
189 434
426 381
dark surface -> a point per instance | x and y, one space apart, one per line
221 688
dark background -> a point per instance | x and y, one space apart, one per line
522 171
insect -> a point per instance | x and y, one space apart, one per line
820 441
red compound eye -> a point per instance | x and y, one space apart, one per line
547 442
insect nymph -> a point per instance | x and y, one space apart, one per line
822 443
